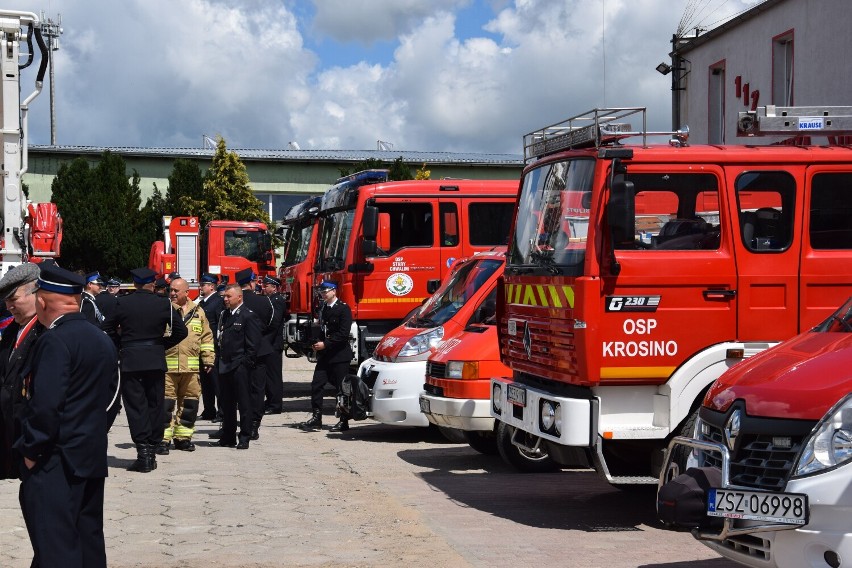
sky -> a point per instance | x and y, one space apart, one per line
420 75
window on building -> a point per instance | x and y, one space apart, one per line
716 104
782 69
831 211
489 223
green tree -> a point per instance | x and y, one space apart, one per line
227 194
103 227
396 172
399 171
368 164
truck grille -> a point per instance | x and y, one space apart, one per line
766 450
433 390
437 370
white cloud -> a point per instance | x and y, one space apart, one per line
162 73
366 22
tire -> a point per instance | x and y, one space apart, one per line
482 442
523 461
453 435
681 453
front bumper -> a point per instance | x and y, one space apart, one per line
396 392
772 545
469 414
577 416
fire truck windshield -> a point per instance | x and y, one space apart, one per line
553 217
245 243
334 240
297 239
455 292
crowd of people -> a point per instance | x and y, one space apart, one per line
75 351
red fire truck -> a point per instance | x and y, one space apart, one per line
388 244
30 231
637 274
459 371
296 272
222 248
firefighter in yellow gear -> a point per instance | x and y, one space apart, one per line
183 362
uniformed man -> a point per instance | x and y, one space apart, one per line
183 362
262 306
88 305
212 304
240 341
17 288
64 429
275 370
144 325
104 301
334 354
161 287
114 286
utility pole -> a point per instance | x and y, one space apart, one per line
51 31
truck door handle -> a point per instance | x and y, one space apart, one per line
718 294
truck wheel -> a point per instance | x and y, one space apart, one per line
452 434
522 460
482 442
681 453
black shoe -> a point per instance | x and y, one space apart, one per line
162 449
226 443
184 445
244 445
216 435
313 423
341 426
255 426
207 415
268 411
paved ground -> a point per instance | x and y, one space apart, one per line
376 496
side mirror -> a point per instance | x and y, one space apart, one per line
370 223
369 247
433 285
621 212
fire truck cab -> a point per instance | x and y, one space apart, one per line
296 272
389 244
637 274
222 248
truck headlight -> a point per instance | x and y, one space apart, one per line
551 421
830 444
463 370
497 398
422 342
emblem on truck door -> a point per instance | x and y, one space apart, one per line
732 429
632 303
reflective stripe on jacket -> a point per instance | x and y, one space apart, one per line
184 357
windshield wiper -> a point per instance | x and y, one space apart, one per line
545 260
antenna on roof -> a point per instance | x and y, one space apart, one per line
293 145
381 145
207 143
